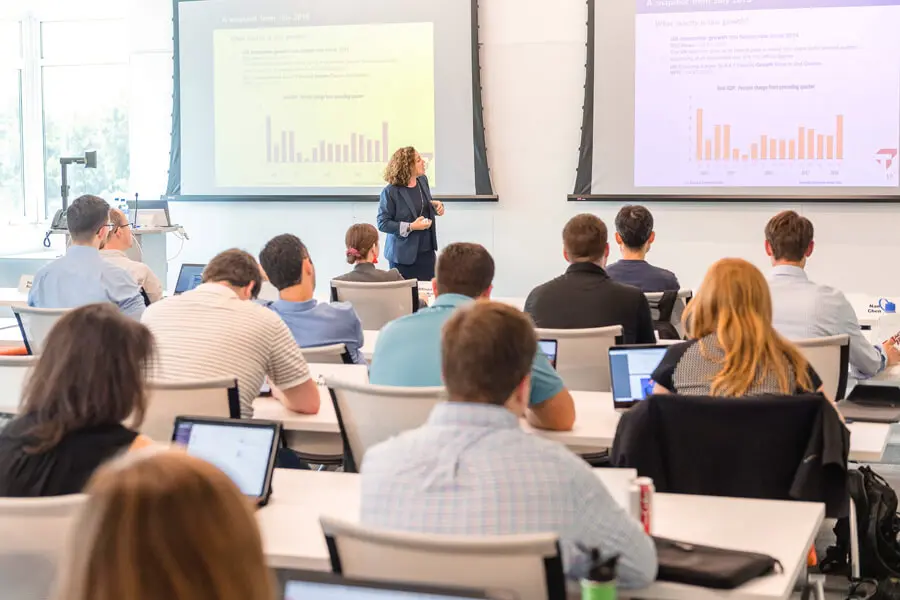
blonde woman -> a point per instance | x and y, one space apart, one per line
406 214
733 349
164 526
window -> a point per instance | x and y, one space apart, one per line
85 88
12 190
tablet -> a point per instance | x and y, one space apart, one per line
243 450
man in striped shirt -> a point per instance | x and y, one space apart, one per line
213 331
472 469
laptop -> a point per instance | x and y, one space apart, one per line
243 450
550 349
872 404
630 369
317 585
190 276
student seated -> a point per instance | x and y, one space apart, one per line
472 470
732 348
585 297
362 253
804 309
213 331
88 380
408 352
82 276
289 267
121 239
635 235
164 525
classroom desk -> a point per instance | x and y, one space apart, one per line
10 296
292 537
595 425
10 334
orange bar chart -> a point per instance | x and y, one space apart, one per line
808 144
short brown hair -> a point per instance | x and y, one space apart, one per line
464 268
235 267
585 238
486 351
401 167
789 235
85 216
360 238
164 525
92 372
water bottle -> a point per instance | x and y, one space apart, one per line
123 206
600 583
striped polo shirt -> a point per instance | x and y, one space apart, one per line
209 333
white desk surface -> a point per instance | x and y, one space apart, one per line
10 296
595 424
292 537
370 338
10 334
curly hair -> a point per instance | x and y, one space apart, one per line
401 167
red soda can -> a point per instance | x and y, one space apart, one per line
642 502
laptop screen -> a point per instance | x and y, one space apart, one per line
549 347
630 370
189 277
241 450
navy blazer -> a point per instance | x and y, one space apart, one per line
393 209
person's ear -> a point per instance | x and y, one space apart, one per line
487 293
810 248
652 238
606 252
434 286
618 238
769 252
520 397
566 255
307 266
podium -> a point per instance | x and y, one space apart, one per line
149 248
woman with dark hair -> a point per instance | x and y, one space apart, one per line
406 214
362 252
90 378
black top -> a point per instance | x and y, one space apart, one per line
685 369
416 197
643 276
62 470
369 273
585 297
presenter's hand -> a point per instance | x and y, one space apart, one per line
420 224
438 207
892 353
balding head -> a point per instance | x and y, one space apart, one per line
120 237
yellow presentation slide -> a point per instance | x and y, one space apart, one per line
321 106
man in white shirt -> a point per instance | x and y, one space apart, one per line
121 239
213 331
803 309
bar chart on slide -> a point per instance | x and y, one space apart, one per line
713 142
356 147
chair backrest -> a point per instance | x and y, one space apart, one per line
377 304
334 354
662 306
830 357
369 414
751 447
208 398
14 371
35 533
35 324
582 355
529 566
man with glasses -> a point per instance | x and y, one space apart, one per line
82 276
119 241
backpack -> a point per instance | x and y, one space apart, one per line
878 526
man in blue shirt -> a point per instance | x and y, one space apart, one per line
408 352
463 472
289 268
635 235
82 276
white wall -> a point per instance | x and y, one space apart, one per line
532 57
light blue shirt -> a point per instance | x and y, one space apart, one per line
472 470
803 309
83 277
408 352
313 324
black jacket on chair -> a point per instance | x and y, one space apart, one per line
773 447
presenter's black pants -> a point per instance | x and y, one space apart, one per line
422 269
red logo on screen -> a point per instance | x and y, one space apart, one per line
886 157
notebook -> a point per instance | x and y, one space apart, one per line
630 369
190 276
243 450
